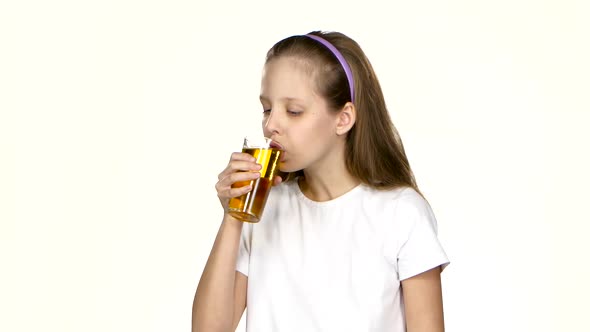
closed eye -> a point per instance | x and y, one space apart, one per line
294 113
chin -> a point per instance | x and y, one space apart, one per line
285 167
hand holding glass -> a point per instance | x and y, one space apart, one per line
249 207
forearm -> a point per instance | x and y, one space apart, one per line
214 300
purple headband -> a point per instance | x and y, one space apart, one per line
342 61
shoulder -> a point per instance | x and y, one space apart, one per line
406 208
411 232
409 200
395 209
404 198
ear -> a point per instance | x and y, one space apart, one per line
346 119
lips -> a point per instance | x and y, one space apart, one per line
276 145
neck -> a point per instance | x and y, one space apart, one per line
328 180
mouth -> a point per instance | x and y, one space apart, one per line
276 145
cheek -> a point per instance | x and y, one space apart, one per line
263 125
321 131
310 142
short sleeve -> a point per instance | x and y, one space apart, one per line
243 260
414 247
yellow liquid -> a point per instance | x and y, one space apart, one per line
249 207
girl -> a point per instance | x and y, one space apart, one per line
346 242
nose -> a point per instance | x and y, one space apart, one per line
270 124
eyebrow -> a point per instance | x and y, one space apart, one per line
264 98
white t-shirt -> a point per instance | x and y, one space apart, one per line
336 265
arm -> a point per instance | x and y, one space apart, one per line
423 302
220 299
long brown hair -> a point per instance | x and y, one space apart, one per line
374 150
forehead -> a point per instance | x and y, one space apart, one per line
287 77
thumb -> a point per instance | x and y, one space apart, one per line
277 180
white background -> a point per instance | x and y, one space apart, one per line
117 116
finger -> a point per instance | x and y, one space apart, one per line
235 166
235 192
241 176
277 180
242 156
243 166
232 178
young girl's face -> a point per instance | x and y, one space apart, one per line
295 116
